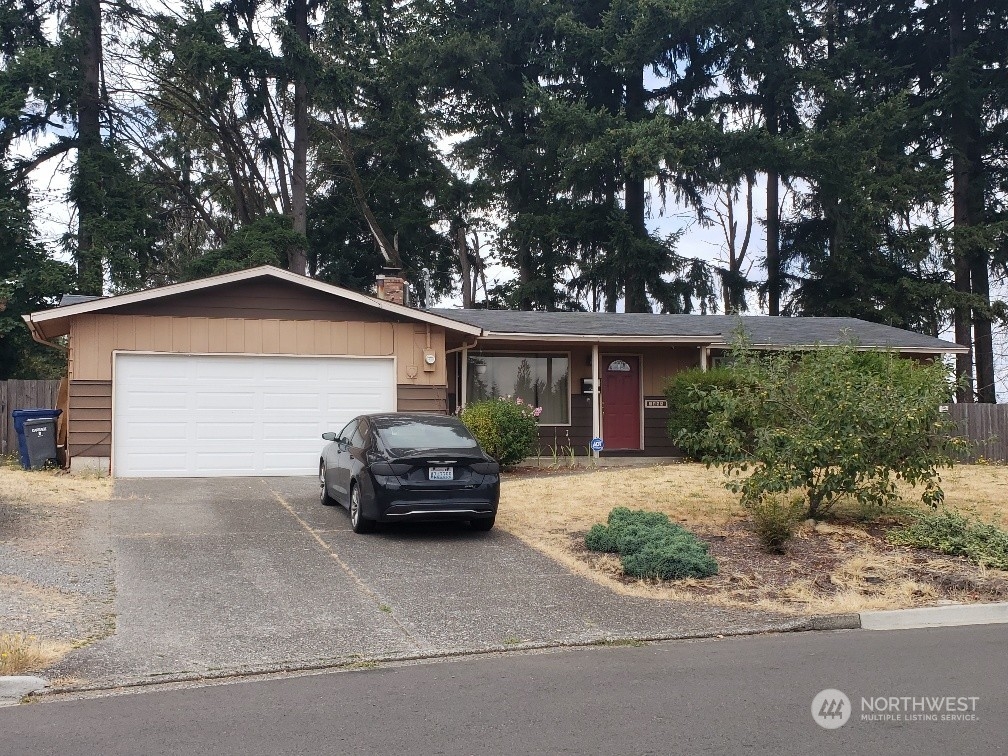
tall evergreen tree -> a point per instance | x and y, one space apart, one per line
955 51
766 51
30 280
859 237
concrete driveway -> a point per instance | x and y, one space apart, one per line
230 575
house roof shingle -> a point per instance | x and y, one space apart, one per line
71 299
762 330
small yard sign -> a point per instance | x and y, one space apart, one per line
597 444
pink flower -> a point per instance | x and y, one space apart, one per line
518 400
536 412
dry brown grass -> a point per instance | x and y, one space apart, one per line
978 490
846 569
688 493
19 486
870 580
21 653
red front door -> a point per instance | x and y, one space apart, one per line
621 402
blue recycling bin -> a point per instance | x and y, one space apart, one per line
19 420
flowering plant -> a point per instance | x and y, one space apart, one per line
504 427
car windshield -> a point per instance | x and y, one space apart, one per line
402 435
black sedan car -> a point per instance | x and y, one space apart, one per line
409 467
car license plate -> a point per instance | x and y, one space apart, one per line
441 473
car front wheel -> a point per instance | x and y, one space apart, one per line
324 497
358 522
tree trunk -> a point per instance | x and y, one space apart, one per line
88 178
636 287
773 218
983 341
297 259
963 327
463 255
961 191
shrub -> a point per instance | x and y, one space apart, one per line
832 422
602 538
505 429
650 545
949 532
774 519
688 415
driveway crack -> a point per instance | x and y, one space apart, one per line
380 603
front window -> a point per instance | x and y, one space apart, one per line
538 379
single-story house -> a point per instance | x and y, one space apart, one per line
239 374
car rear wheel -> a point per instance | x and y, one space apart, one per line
358 522
484 524
324 497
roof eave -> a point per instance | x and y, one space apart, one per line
699 340
106 303
945 348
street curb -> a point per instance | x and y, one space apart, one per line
321 666
834 622
936 616
13 688
827 623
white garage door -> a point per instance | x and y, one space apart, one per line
203 415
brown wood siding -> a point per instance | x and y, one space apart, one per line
262 299
422 399
578 435
656 438
93 339
660 362
89 430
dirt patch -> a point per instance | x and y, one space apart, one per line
56 570
836 567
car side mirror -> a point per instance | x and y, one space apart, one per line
329 436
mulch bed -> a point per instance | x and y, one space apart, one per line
747 573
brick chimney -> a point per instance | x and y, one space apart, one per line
392 287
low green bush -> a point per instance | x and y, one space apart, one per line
651 546
774 519
949 532
688 414
505 429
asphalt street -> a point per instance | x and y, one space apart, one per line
745 694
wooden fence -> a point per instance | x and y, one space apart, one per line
986 425
22 395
